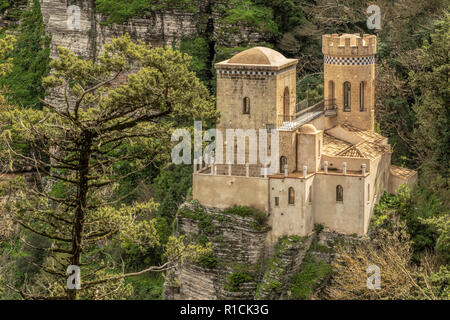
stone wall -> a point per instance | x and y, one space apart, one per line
237 242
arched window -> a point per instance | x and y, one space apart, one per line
320 148
291 196
347 96
246 106
339 193
283 162
286 104
331 89
310 194
362 88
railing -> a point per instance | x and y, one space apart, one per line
281 118
330 104
330 107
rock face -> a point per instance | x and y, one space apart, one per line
163 28
238 250
244 266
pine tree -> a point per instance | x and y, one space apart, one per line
77 151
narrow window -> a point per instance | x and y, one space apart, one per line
347 96
291 196
286 104
310 194
339 193
277 201
331 89
283 162
361 96
246 108
320 148
368 192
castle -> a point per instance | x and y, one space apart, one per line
333 167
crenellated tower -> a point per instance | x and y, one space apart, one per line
349 78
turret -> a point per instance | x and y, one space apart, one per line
349 78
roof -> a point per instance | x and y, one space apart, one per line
366 135
258 56
402 172
334 146
308 128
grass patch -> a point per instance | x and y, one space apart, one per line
308 278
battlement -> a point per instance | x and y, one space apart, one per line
349 45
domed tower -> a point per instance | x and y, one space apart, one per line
255 88
349 78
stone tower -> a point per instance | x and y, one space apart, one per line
349 78
255 88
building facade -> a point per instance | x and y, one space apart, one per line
331 167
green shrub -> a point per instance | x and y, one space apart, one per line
235 279
208 261
311 274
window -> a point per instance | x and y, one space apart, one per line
339 193
291 196
347 96
286 104
277 201
320 148
368 192
361 96
330 89
246 109
310 194
283 162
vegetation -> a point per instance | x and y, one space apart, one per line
80 146
104 194
312 273
31 61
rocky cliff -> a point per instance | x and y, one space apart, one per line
242 264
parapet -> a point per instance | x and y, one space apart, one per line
349 45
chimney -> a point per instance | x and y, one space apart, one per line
344 168
363 169
325 167
305 171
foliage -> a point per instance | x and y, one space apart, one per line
432 108
89 133
6 46
424 214
119 11
312 272
251 15
208 261
31 61
240 275
147 287
198 49
171 188
400 279
205 220
12 8
259 216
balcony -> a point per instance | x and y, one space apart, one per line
330 108
291 122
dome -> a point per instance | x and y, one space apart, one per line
308 128
259 55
